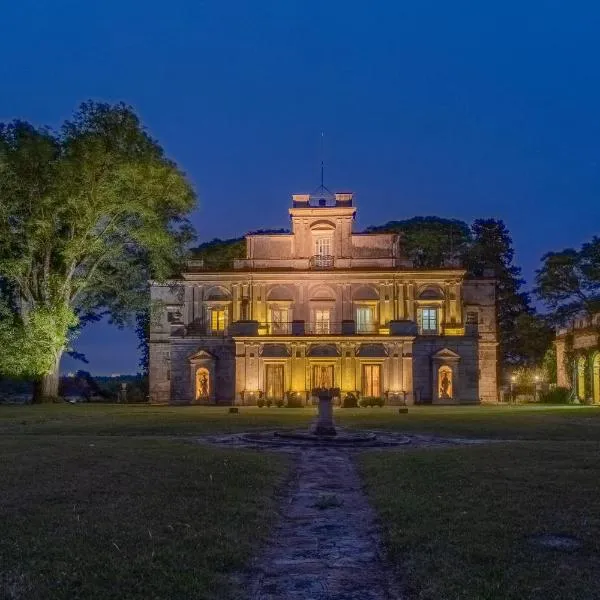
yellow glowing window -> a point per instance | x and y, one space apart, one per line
218 319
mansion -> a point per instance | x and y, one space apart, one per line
323 306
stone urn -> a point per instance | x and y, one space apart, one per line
324 424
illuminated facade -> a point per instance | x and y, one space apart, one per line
323 307
578 358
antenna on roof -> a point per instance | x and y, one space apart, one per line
322 193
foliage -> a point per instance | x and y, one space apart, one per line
557 395
142 329
260 402
429 241
293 400
569 281
370 402
87 215
32 342
524 337
350 400
549 367
219 254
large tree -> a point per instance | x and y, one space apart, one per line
87 215
569 281
429 241
523 335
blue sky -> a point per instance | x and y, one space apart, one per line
458 109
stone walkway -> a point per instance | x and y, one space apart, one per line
326 546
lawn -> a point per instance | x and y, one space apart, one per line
460 524
504 422
119 501
129 518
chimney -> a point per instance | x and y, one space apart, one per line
343 199
300 200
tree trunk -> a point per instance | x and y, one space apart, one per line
46 388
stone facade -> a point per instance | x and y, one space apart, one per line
323 306
578 358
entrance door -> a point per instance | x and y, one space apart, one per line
274 386
371 381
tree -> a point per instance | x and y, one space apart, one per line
523 335
569 281
87 216
429 241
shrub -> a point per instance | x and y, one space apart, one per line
350 400
279 402
364 402
559 395
293 400
268 402
378 402
260 402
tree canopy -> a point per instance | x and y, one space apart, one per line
87 215
569 281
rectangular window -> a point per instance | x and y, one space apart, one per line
218 319
280 321
429 320
323 376
322 321
323 246
371 381
365 319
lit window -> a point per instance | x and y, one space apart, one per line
429 320
218 319
279 320
365 321
322 321
323 246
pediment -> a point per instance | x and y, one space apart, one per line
201 355
446 354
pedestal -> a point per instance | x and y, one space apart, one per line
324 424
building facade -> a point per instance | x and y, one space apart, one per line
323 306
578 358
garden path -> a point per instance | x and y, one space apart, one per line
326 546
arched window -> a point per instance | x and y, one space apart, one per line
445 382
596 377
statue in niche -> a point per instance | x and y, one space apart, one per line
202 384
445 383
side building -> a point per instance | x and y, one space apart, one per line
578 358
323 306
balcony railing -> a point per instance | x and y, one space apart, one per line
322 261
318 328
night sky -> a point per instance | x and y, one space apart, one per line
457 109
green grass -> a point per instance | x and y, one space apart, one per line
457 522
521 422
118 501
129 518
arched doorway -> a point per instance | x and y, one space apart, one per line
596 377
581 391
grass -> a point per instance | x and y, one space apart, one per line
118 501
129 518
458 523
521 422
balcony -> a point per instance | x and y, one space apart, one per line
322 261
